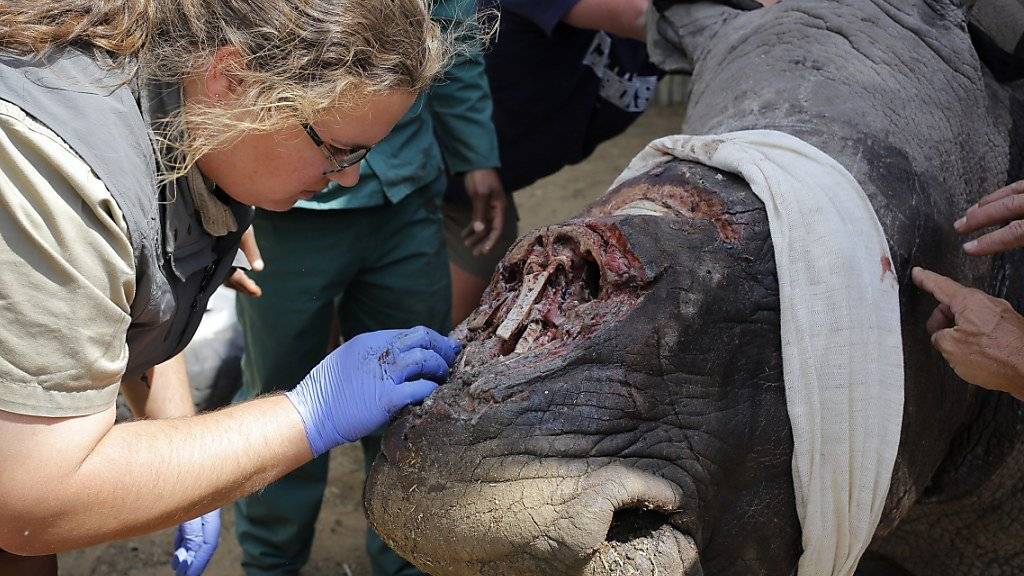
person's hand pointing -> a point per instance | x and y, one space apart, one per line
981 337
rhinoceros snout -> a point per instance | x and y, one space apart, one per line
611 521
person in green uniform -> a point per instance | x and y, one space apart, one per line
135 137
369 257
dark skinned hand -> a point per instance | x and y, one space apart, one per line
487 195
239 280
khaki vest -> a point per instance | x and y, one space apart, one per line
104 117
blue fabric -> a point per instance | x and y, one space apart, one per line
558 91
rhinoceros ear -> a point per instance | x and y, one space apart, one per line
679 31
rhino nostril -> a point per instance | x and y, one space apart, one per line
591 279
642 541
629 524
554 290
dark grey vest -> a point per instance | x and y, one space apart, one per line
106 119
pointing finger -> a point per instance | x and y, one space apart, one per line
945 290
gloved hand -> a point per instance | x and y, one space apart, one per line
195 543
359 386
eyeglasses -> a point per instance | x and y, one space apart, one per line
339 159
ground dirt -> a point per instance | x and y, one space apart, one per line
338 548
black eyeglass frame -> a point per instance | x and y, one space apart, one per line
345 163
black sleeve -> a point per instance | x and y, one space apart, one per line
544 13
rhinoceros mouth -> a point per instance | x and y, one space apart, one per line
554 288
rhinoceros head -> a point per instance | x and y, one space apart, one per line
617 402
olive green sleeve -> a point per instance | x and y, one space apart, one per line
67 278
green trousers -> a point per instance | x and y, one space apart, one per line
376 268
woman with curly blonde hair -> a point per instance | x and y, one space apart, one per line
135 137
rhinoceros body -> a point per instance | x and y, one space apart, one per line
619 407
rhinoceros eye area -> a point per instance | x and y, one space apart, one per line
556 287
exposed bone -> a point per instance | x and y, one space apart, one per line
533 330
479 319
642 208
528 293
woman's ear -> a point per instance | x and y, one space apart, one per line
221 79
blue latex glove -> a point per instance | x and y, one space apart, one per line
359 386
195 543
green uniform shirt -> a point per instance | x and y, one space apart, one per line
457 109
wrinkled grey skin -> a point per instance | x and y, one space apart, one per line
634 421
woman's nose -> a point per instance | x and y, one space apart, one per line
348 177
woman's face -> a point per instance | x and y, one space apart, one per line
277 169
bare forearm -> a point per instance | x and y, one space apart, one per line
623 18
164 392
146 475
68 482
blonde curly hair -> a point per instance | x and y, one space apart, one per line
298 58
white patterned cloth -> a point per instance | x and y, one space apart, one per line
840 321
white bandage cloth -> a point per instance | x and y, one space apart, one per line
840 320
